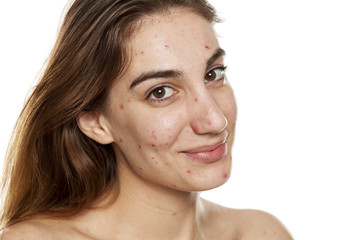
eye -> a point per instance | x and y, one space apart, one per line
160 93
215 74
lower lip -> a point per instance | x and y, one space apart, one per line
210 156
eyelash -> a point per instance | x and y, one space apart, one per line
160 100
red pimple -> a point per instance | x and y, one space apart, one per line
196 129
209 122
153 135
120 139
188 171
142 52
174 214
129 100
153 145
152 158
139 147
122 106
141 168
207 47
225 175
196 99
166 45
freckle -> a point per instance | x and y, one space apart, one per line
207 47
188 171
142 52
122 106
174 214
196 99
141 168
139 147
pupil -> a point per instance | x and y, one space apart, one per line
159 92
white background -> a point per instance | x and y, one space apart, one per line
295 69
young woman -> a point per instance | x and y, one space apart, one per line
132 118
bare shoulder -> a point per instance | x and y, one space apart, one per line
261 225
38 229
249 224
27 230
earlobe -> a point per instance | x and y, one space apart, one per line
91 124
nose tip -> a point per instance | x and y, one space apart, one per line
208 118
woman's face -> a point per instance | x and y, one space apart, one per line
172 115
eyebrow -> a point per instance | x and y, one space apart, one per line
173 73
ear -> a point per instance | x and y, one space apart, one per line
92 124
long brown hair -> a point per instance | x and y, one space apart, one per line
51 167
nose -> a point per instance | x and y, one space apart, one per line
207 115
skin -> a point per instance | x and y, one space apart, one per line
159 182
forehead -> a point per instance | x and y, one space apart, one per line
172 40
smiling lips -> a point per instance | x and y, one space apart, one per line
207 154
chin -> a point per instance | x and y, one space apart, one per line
211 177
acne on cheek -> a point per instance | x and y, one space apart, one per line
121 106
207 47
188 171
225 175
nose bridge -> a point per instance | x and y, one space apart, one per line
207 115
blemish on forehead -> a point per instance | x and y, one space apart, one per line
207 47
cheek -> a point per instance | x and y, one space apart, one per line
163 131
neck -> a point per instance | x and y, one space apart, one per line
145 210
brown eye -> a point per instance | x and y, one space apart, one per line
210 76
215 74
159 92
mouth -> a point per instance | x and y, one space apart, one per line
207 153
